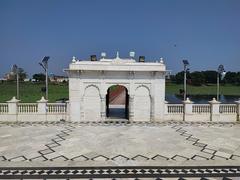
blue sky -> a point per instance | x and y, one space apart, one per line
206 32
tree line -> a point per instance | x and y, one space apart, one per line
198 78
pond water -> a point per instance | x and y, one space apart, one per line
201 99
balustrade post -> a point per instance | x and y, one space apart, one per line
13 107
67 107
166 107
67 110
238 109
187 110
214 113
42 106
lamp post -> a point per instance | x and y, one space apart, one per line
220 71
44 65
15 71
185 64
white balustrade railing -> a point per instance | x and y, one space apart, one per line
175 108
172 111
25 108
56 108
3 108
228 108
201 108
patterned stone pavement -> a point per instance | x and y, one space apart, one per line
119 143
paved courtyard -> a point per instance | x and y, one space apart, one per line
86 144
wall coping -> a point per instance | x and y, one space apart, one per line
214 101
42 100
13 100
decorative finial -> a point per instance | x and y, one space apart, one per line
42 100
161 60
117 56
132 54
214 101
103 55
74 59
187 101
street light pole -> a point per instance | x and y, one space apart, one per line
217 86
46 72
185 63
44 65
220 71
17 84
185 83
15 71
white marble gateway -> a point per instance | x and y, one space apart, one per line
89 83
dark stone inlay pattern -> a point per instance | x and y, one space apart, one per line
113 172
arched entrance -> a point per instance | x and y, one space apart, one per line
117 102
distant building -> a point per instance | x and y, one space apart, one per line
59 79
27 80
7 77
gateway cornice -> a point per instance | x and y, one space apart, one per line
103 66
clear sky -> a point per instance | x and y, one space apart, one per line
206 32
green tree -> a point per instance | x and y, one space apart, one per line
210 76
197 78
179 77
40 77
22 74
231 77
238 78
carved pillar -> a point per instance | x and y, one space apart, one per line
131 108
103 107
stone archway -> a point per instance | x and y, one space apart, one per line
145 83
117 102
